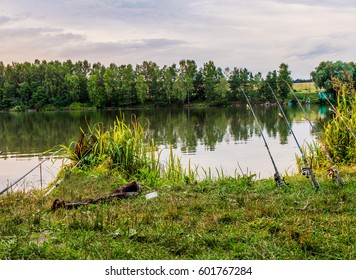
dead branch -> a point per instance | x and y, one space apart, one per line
125 191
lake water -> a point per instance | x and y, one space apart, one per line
216 138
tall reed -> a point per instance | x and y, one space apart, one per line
338 135
122 147
127 149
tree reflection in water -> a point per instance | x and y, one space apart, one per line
210 137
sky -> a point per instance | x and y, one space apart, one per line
255 34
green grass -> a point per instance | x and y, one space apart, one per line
305 88
305 91
228 218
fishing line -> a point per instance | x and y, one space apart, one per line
13 184
332 166
306 170
18 180
277 176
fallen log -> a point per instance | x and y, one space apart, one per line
125 191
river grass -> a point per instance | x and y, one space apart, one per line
226 218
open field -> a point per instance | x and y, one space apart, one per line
305 87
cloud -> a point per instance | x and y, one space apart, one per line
322 3
256 34
327 46
319 51
125 52
46 36
4 20
19 44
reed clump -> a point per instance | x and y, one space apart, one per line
338 135
124 148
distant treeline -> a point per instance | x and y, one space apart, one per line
299 81
59 84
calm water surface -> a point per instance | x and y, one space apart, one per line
213 138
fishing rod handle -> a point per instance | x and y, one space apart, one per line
315 182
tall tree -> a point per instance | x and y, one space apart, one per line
211 78
111 85
327 71
184 84
240 80
127 85
222 88
270 82
284 81
96 87
73 87
169 77
2 81
152 75
141 89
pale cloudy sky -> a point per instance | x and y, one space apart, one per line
256 34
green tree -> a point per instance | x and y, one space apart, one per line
267 85
11 85
127 85
82 70
169 79
284 81
211 78
2 81
327 71
240 80
96 87
153 80
55 85
184 84
141 89
199 90
111 85
73 87
222 88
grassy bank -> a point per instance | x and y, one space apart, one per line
229 218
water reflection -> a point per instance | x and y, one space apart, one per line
215 137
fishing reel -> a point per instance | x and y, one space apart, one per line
279 180
305 172
331 174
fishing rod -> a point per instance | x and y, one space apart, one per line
332 166
277 176
306 170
